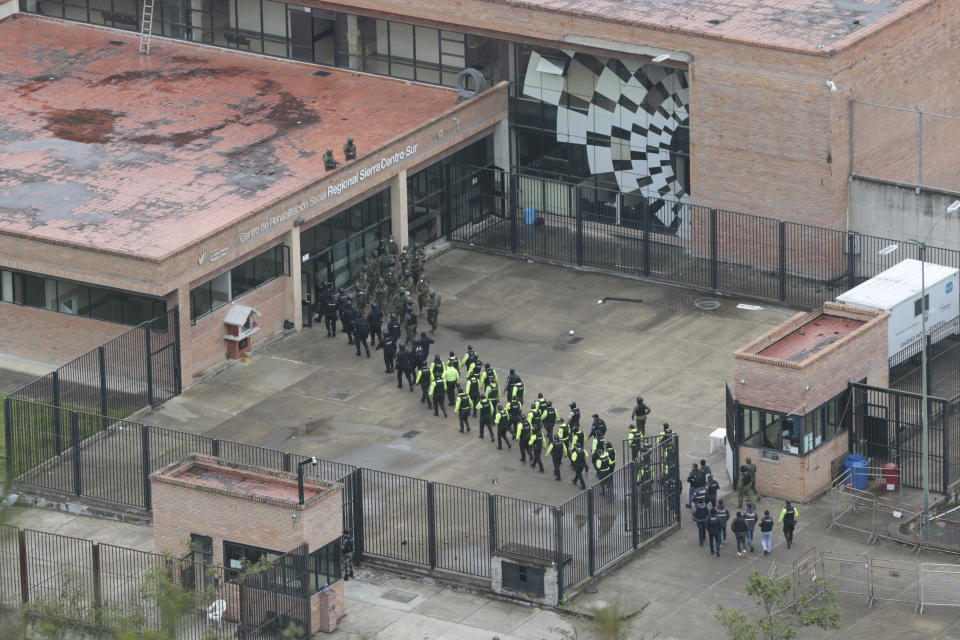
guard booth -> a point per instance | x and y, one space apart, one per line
280 554
788 407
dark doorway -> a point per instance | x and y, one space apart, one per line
301 34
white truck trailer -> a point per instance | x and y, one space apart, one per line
897 290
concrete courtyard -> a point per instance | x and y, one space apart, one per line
312 395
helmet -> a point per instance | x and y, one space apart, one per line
549 403
513 372
666 426
452 354
533 405
373 305
639 400
573 405
486 365
393 316
539 395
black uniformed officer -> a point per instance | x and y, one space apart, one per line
557 452
535 445
639 415
574 420
578 457
375 320
522 437
548 418
393 327
599 427
503 422
437 392
484 410
330 314
423 379
404 367
463 407
361 331
389 346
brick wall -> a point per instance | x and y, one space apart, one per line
180 509
799 387
49 336
798 478
203 345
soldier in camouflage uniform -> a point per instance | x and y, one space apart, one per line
423 292
396 304
416 262
360 298
404 261
407 283
433 310
747 483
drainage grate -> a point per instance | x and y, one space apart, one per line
399 595
321 73
410 434
339 395
706 304
574 340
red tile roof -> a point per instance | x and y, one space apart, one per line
103 147
792 24
814 336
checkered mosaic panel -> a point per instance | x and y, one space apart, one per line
624 112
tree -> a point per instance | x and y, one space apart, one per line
778 620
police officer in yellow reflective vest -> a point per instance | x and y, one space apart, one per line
577 440
489 378
548 418
536 444
492 394
451 378
523 438
635 440
437 392
557 451
473 390
423 379
578 458
563 433
463 407
453 362
503 422
645 483
516 391
601 462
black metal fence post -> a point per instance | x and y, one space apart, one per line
145 466
558 551
929 365
104 410
149 354
447 215
8 439
850 241
782 260
177 372
24 577
286 462
634 503
591 534
714 251
431 525
97 586
512 214
215 447
358 514
57 423
945 430
578 209
492 520
647 258
75 438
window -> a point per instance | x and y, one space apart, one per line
325 566
244 277
797 435
238 557
916 305
78 299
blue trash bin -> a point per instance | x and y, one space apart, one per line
856 466
529 215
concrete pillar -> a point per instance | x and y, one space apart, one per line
501 145
399 225
181 297
294 308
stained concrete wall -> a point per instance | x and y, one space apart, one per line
899 213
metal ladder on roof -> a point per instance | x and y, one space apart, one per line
146 26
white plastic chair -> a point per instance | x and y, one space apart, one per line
216 610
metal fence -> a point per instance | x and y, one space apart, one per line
106 586
891 518
136 369
720 251
425 525
275 603
887 427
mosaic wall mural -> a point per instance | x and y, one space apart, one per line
627 116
